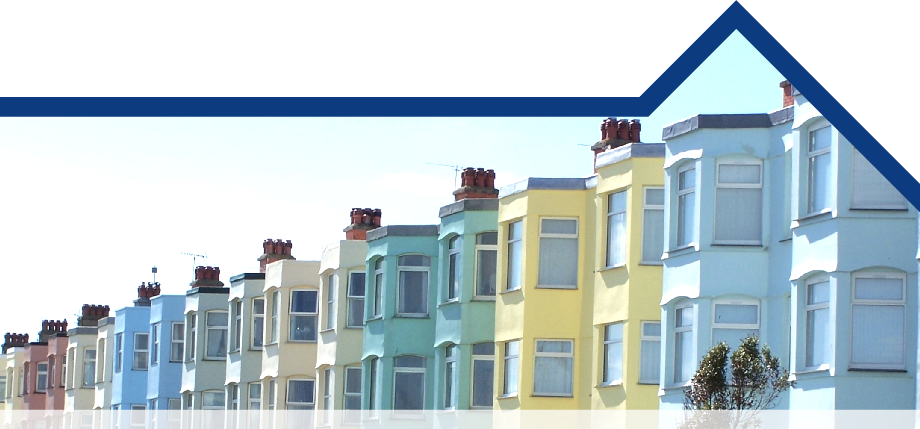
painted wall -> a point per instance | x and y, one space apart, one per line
244 366
55 395
202 373
12 365
164 378
34 354
79 339
129 385
105 347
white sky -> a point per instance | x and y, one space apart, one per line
96 202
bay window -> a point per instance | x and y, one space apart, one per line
352 400
155 344
413 285
355 302
686 205
378 287
408 384
817 323
819 169
613 353
558 264
141 350
276 318
653 225
177 342
486 263
553 368
191 337
739 202
684 356
450 377
41 377
650 353
879 322
483 371
300 395
515 255
216 335
511 361
330 301
89 368
616 229
303 315
373 394
236 307
119 351
870 188
258 323
453 268
735 320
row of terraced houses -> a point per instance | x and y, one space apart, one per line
597 292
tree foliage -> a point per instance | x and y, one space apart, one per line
749 379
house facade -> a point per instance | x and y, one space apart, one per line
131 358
80 362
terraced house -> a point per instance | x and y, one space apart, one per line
79 365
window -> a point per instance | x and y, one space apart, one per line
653 225
413 285
352 404
89 368
237 307
453 267
3 388
355 300
408 384
553 368
373 396
510 373
234 392
191 338
450 377
871 190
819 170
153 413
684 360
116 416
378 287
486 263
22 383
515 255
141 350
155 344
733 321
616 229
100 360
177 342
817 323
300 395
254 404
50 372
303 315
879 320
174 412
68 357
138 416
613 353
330 301
650 353
327 396
739 203
483 371
258 323
686 205
276 321
41 377
119 351
558 253
216 335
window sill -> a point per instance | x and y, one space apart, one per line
567 287
377 317
648 383
301 341
355 327
674 387
508 396
812 217
679 251
752 246
448 303
880 209
550 395
327 330
611 268
888 370
412 316
615 383
213 359
651 263
446 411
483 298
255 349
510 291
811 372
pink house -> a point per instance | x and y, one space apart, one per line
36 368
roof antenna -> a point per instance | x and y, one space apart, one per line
195 259
456 169
154 271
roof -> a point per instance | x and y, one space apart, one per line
548 184
728 121
402 231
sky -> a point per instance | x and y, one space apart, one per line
91 204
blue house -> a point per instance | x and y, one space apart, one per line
131 358
775 226
167 341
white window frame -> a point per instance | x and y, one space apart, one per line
254 392
855 154
507 361
616 242
138 412
100 360
478 266
454 268
378 287
399 286
222 394
41 386
275 324
350 414
739 326
257 333
451 366
855 302
810 308
681 229
353 298
138 343
215 330
809 155
66 378
574 236
646 208
191 336
236 331
647 339
410 370
481 358
515 248
328 391
3 392
155 343
329 319
295 405
373 394
720 185
177 344
87 363
571 356
679 331
119 351
607 379
314 314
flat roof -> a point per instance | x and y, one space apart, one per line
403 231
728 121
549 184
469 204
632 150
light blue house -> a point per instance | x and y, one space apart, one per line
465 316
398 357
167 341
131 357
776 226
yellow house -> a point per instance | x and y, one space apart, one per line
629 209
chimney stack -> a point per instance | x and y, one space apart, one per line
146 291
616 133
274 250
207 277
51 328
476 183
92 314
362 221
11 340
788 98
